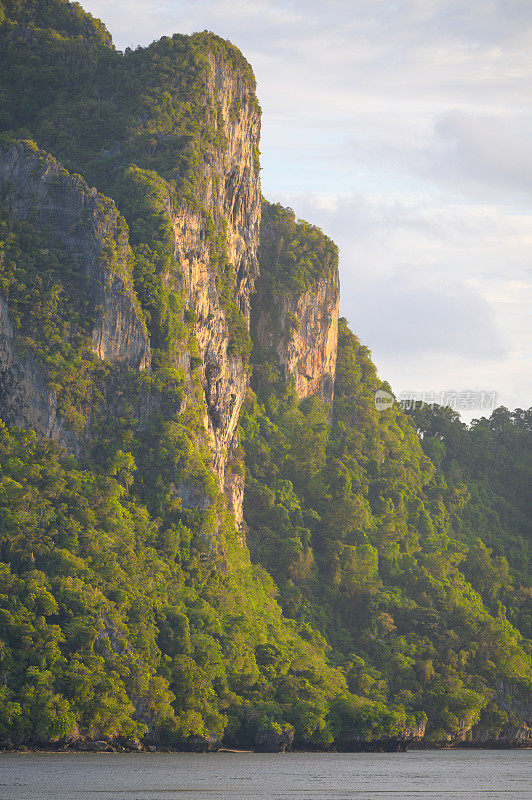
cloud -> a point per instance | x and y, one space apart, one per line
407 315
474 156
485 150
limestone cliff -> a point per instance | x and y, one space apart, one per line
25 398
516 731
303 331
216 232
295 314
230 194
35 187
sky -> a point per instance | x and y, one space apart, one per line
403 129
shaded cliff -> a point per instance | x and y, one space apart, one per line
295 310
25 397
34 186
37 191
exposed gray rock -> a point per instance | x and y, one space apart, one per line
25 398
94 747
203 744
35 186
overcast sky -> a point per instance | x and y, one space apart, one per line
403 129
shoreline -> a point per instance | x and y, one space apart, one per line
110 750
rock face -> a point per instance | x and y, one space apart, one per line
35 187
414 732
25 398
231 196
225 220
516 703
295 310
303 331
410 736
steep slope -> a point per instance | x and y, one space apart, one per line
230 192
94 268
35 187
171 133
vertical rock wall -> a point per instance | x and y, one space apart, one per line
295 309
302 329
230 193
35 187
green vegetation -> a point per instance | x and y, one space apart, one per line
59 16
239 338
388 587
114 623
293 255
493 458
140 125
380 550
44 47
51 314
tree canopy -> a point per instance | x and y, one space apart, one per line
387 585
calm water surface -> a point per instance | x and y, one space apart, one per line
450 775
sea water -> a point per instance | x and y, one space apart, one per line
432 775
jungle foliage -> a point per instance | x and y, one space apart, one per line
51 314
387 584
383 551
139 125
294 255
114 623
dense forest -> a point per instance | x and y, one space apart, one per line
377 591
